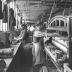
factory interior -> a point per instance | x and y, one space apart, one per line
35 35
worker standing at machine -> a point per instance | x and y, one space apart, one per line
23 34
38 54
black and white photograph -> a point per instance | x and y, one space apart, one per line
35 35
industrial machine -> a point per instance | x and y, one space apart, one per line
59 48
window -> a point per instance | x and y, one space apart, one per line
62 23
57 21
51 25
66 24
54 23
3 26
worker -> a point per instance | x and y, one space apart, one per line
38 50
23 34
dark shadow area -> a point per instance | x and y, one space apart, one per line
22 61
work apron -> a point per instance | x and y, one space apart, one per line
38 54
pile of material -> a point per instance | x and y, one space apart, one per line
6 53
2 65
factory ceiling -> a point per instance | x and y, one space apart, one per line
32 9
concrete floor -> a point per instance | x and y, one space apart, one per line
22 61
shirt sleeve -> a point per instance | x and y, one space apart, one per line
38 34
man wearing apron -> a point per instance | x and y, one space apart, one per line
38 54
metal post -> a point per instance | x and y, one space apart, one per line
70 42
8 19
2 20
51 12
63 12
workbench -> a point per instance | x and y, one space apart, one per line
9 60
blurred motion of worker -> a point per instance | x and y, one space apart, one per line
32 28
38 50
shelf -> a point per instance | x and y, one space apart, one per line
57 29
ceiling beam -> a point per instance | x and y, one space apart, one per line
28 0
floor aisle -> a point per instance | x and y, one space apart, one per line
22 61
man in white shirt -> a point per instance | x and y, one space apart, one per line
38 56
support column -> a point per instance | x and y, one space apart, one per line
8 19
70 41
